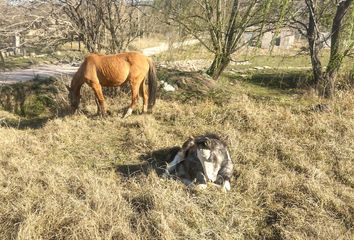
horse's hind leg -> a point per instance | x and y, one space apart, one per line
135 96
144 93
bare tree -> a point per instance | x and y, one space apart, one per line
107 25
34 22
324 16
100 21
121 20
15 20
87 20
220 25
327 86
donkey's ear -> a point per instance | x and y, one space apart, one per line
188 144
68 87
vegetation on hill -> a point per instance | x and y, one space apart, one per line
83 177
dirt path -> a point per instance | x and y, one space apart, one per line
164 47
22 75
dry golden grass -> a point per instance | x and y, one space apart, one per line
294 172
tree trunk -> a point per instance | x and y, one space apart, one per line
315 62
314 44
219 64
2 58
327 85
336 57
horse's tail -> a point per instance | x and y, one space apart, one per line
152 83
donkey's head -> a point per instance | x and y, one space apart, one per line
208 152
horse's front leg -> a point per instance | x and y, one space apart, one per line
100 102
98 106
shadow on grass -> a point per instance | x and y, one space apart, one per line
283 80
37 122
153 161
278 79
32 123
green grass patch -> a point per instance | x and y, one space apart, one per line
184 53
280 87
40 98
20 62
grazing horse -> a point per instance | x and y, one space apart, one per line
113 70
203 159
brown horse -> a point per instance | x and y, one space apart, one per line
113 70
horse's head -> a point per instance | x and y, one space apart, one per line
74 99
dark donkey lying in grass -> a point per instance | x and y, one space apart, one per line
202 159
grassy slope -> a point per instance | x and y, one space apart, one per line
293 178
293 170
16 62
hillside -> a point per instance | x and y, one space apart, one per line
83 177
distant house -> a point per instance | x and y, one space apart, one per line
11 45
325 38
284 40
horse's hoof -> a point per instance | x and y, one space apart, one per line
128 113
102 115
